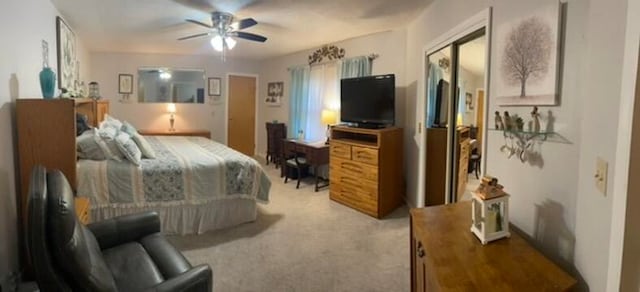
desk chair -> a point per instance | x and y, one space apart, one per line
293 160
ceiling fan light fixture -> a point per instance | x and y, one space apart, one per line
231 43
216 43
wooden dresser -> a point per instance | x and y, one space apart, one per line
177 132
95 110
446 256
366 171
463 151
436 170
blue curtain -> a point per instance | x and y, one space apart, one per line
299 98
356 67
435 74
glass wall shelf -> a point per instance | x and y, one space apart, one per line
521 141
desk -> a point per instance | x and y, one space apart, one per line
446 256
316 154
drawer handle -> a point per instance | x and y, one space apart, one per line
350 189
351 167
348 180
362 154
420 250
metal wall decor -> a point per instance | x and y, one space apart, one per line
330 52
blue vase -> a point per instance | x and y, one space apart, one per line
47 82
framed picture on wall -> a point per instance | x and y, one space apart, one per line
529 76
214 86
125 83
275 91
66 42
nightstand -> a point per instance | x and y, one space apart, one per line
177 132
82 209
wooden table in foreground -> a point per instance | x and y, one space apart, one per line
177 132
446 256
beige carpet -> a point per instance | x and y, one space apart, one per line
302 241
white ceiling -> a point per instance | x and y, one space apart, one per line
152 26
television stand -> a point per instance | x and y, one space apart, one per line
371 126
367 169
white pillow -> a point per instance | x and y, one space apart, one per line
145 147
143 144
128 148
108 137
88 147
110 121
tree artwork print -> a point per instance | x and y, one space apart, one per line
527 59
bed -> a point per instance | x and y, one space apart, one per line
195 185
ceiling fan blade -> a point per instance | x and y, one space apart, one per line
199 23
194 36
248 36
243 23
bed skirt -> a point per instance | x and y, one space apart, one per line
190 218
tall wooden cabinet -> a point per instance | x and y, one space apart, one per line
436 170
366 171
46 131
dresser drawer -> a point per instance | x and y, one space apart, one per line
340 150
353 168
366 188
352 197
366 155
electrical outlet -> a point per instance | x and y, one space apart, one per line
601 175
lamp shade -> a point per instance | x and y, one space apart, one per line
329 117
171 108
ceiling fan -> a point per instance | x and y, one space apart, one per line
224 29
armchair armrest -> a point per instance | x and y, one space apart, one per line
122 229
197 279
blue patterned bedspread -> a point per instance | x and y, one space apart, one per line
187 170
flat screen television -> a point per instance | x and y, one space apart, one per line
368 101
442 104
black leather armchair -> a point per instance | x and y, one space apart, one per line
126 253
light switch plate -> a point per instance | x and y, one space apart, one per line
601 175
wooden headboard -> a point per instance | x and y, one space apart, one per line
46 130
95 110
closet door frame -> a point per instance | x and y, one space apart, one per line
457 34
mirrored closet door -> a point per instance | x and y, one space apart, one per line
455 119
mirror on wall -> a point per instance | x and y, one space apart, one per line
162 84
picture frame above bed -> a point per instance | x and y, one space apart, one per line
125 83
214 86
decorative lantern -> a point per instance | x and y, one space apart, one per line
490 211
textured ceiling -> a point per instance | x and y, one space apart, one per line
152 26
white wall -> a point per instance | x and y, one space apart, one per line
23 26
390 46
553 200
107 66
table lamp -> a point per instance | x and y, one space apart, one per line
171 109
329 117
